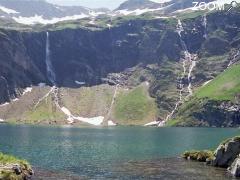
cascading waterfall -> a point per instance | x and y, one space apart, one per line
204 23
188 60
50 72
55 91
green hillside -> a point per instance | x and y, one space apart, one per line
135 107
223 87
204 108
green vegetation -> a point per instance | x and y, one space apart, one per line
202 156
135 107
8 159
46 111
236 138
191 14
6 170
223 87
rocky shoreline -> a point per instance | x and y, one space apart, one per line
227 155
12 168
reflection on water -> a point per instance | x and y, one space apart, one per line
129 152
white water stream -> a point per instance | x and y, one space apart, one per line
188 65
97 121
204 23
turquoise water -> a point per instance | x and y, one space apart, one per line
100 152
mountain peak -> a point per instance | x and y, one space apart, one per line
138 4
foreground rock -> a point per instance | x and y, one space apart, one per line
227 155
234 169
227 152
12 168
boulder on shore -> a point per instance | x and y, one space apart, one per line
227 155
234 169
227 152
12 168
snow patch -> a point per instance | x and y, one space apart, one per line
7 10
136 12
27 90
16 99
154 123
96 121
5 104
204 84
66 111
111 123
41 85
1 120
95 14
80 83
39 19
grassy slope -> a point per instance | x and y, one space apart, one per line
223 88
46 111
8 160
134 107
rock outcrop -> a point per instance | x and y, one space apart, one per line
227 155
227 152
12 168
234 169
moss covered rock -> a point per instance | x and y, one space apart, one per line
12 168
202 156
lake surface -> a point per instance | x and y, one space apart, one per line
120 152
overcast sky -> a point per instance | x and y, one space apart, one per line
111 4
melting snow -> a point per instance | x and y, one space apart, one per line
7 10
39 19
42 85
204 84
28 89
16 99
97 121
136 12
80 83
154 123
5 104
111 123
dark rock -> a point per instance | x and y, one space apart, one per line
234 169
17 169
226 153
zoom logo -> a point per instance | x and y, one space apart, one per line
215 5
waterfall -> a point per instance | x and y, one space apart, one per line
50 72
97 121
188 58
204 23
188 63
192 65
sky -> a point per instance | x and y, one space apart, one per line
111 4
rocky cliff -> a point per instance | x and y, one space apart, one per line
127 52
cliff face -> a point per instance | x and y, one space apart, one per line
21 62
130 52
